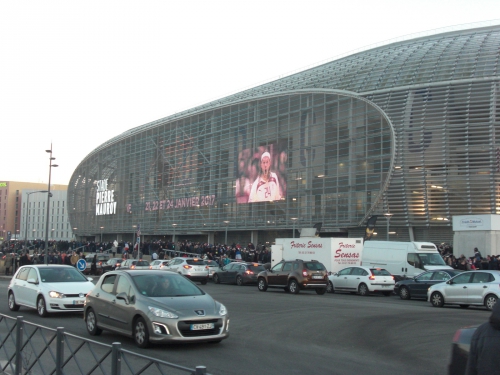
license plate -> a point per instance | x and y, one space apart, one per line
385 286
317 277
79 302
196 327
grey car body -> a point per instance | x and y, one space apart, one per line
134 303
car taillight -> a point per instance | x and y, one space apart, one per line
304 273
371 277
186 267
456 336
99 264
150 267
207 267
132 267
248 272
393 277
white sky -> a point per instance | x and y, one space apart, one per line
77 73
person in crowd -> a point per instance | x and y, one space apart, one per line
485 346
74 259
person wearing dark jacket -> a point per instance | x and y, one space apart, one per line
485 346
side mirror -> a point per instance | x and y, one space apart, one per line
449 282
123 296
90 278
32 281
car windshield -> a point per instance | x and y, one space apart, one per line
433 259
314 266
61 275
154 285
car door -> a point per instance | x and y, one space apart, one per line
123 308
478 286
340 279
418 288
102 298
354 278
19 285
224 274
32 287
274 274
456 289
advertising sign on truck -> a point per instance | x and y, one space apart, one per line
334 253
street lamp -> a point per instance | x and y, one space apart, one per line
294 219
101 235
133 236
173 237
388 218
48 206
225 238
27 210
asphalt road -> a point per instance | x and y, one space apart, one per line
275 332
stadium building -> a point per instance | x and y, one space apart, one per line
405 131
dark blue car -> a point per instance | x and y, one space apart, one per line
417 287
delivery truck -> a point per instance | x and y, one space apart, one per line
403 259
334 253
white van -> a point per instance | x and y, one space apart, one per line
403 259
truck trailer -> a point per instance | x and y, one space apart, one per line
335 253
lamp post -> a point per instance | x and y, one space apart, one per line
294 219
27 210
388 216
225 238
133 236
173 237
49 194
101 235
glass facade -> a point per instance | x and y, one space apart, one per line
407 128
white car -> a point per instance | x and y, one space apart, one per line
48 288
362 280
159 264
479 288
194 269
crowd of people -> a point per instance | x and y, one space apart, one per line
475 262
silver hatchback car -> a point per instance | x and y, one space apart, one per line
154 306
194 269
479 288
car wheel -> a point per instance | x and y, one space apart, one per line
330 288
41 306
204 282
464 306
12 302
363 290
293 286
216 279
239 280
262 284
387 294
91 321
404 293
141 333
437 299
490 301
321 291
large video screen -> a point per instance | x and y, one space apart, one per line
261 174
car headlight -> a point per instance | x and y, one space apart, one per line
53 294
162 313
222 310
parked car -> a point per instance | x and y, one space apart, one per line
362 280
213 267
194 269
134 264
460 348
294 276
111 264
478 288
416 287
159 264
154 306
101 259
52 288
239 273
